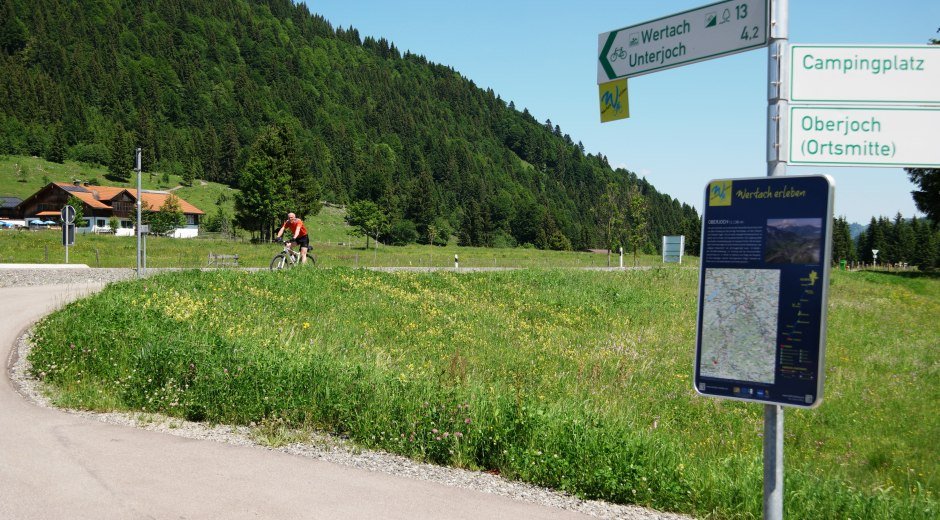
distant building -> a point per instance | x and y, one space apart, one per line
100 203
8 207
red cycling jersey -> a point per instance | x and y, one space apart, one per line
292 227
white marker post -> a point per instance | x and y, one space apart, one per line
137 168
778 72
68 230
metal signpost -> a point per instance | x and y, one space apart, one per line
712 31
68 228
854 105
137 168
761 325
708 32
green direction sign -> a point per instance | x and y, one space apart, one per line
865 74
839 135
688 37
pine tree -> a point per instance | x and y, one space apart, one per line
121 157
903 240
190 174
842 247
56 150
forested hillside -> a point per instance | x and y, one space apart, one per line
204 86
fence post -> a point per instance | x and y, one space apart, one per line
97 258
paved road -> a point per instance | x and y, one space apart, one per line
58 465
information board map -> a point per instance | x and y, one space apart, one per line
762 290
739 324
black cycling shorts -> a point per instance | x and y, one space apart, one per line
303 241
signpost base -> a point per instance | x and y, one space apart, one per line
773 462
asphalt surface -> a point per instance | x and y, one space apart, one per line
58 465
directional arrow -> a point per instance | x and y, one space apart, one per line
603 57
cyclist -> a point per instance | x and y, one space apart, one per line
299 232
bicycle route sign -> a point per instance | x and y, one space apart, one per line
761 326
700 34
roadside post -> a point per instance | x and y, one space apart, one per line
456 263
137 168
68 229
874 254
621 257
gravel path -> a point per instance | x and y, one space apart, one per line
320 446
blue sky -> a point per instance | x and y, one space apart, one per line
688 125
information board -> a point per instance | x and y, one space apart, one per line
763 284
673 248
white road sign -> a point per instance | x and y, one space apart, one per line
864 136
691 36
865 74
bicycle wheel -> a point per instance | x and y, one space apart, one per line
279 262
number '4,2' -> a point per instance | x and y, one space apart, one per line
750 33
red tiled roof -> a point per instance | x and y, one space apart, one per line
89 198
155 200
94 195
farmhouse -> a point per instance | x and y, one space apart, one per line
100 204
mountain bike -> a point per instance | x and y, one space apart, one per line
289 258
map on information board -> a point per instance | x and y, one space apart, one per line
739 324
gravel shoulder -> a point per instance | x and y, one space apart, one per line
319 446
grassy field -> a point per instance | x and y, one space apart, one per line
571 379
333 247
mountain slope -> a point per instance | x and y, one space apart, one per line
195 82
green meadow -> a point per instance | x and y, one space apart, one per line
332 244
577 380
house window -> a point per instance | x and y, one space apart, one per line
122 208
192 220
100 222
126 224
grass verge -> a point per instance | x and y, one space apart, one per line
575 380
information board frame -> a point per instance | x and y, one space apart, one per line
765 260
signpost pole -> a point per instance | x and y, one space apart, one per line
68 229
778 72
137 167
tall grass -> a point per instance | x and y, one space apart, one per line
575 380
